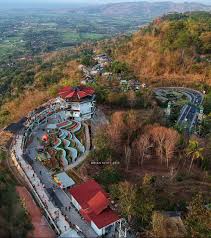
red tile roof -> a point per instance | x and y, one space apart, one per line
85 191
76 92
105 218
98 203
94 203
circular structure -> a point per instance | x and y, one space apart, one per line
76 93
79 102
49 145
189 112
52 134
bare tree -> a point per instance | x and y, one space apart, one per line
115 130
171 140
165 140
158 136
127 154
131 98
143 145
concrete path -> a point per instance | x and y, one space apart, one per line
57 193
55 213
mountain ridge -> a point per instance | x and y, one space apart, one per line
147 8
173 50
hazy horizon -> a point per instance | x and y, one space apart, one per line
22 3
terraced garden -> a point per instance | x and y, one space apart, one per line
61 147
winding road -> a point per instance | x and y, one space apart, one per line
189 112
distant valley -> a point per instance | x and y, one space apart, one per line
31 31
28 34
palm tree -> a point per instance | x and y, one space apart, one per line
194 151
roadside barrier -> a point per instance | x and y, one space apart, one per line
34 192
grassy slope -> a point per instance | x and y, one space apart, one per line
55 70
168 51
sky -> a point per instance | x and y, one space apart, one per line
71 2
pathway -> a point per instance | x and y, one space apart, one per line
54 212
54 199
56 194
41 227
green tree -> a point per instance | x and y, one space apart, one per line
87 57
126 195
108 176
207 103
194 152
103 151
144 205
119 67
198 218
206 40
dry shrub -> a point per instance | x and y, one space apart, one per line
5 137
72 74
165 226
26 103
147 58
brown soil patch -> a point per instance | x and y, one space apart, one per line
41 227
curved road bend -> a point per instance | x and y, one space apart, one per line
189 112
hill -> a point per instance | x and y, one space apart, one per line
174 49
147 9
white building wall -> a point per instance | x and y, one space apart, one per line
83 110
77 109
75 106
75 203
76 114
86 108
100 232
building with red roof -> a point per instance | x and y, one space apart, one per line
78 101
92 202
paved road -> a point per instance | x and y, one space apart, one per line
189 113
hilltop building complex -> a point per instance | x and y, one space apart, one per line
92 202
78 102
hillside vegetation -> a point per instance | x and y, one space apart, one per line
14 220
174 49
145 165
21 93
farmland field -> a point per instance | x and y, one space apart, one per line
33 31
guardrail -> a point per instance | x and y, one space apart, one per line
16 159
34 192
